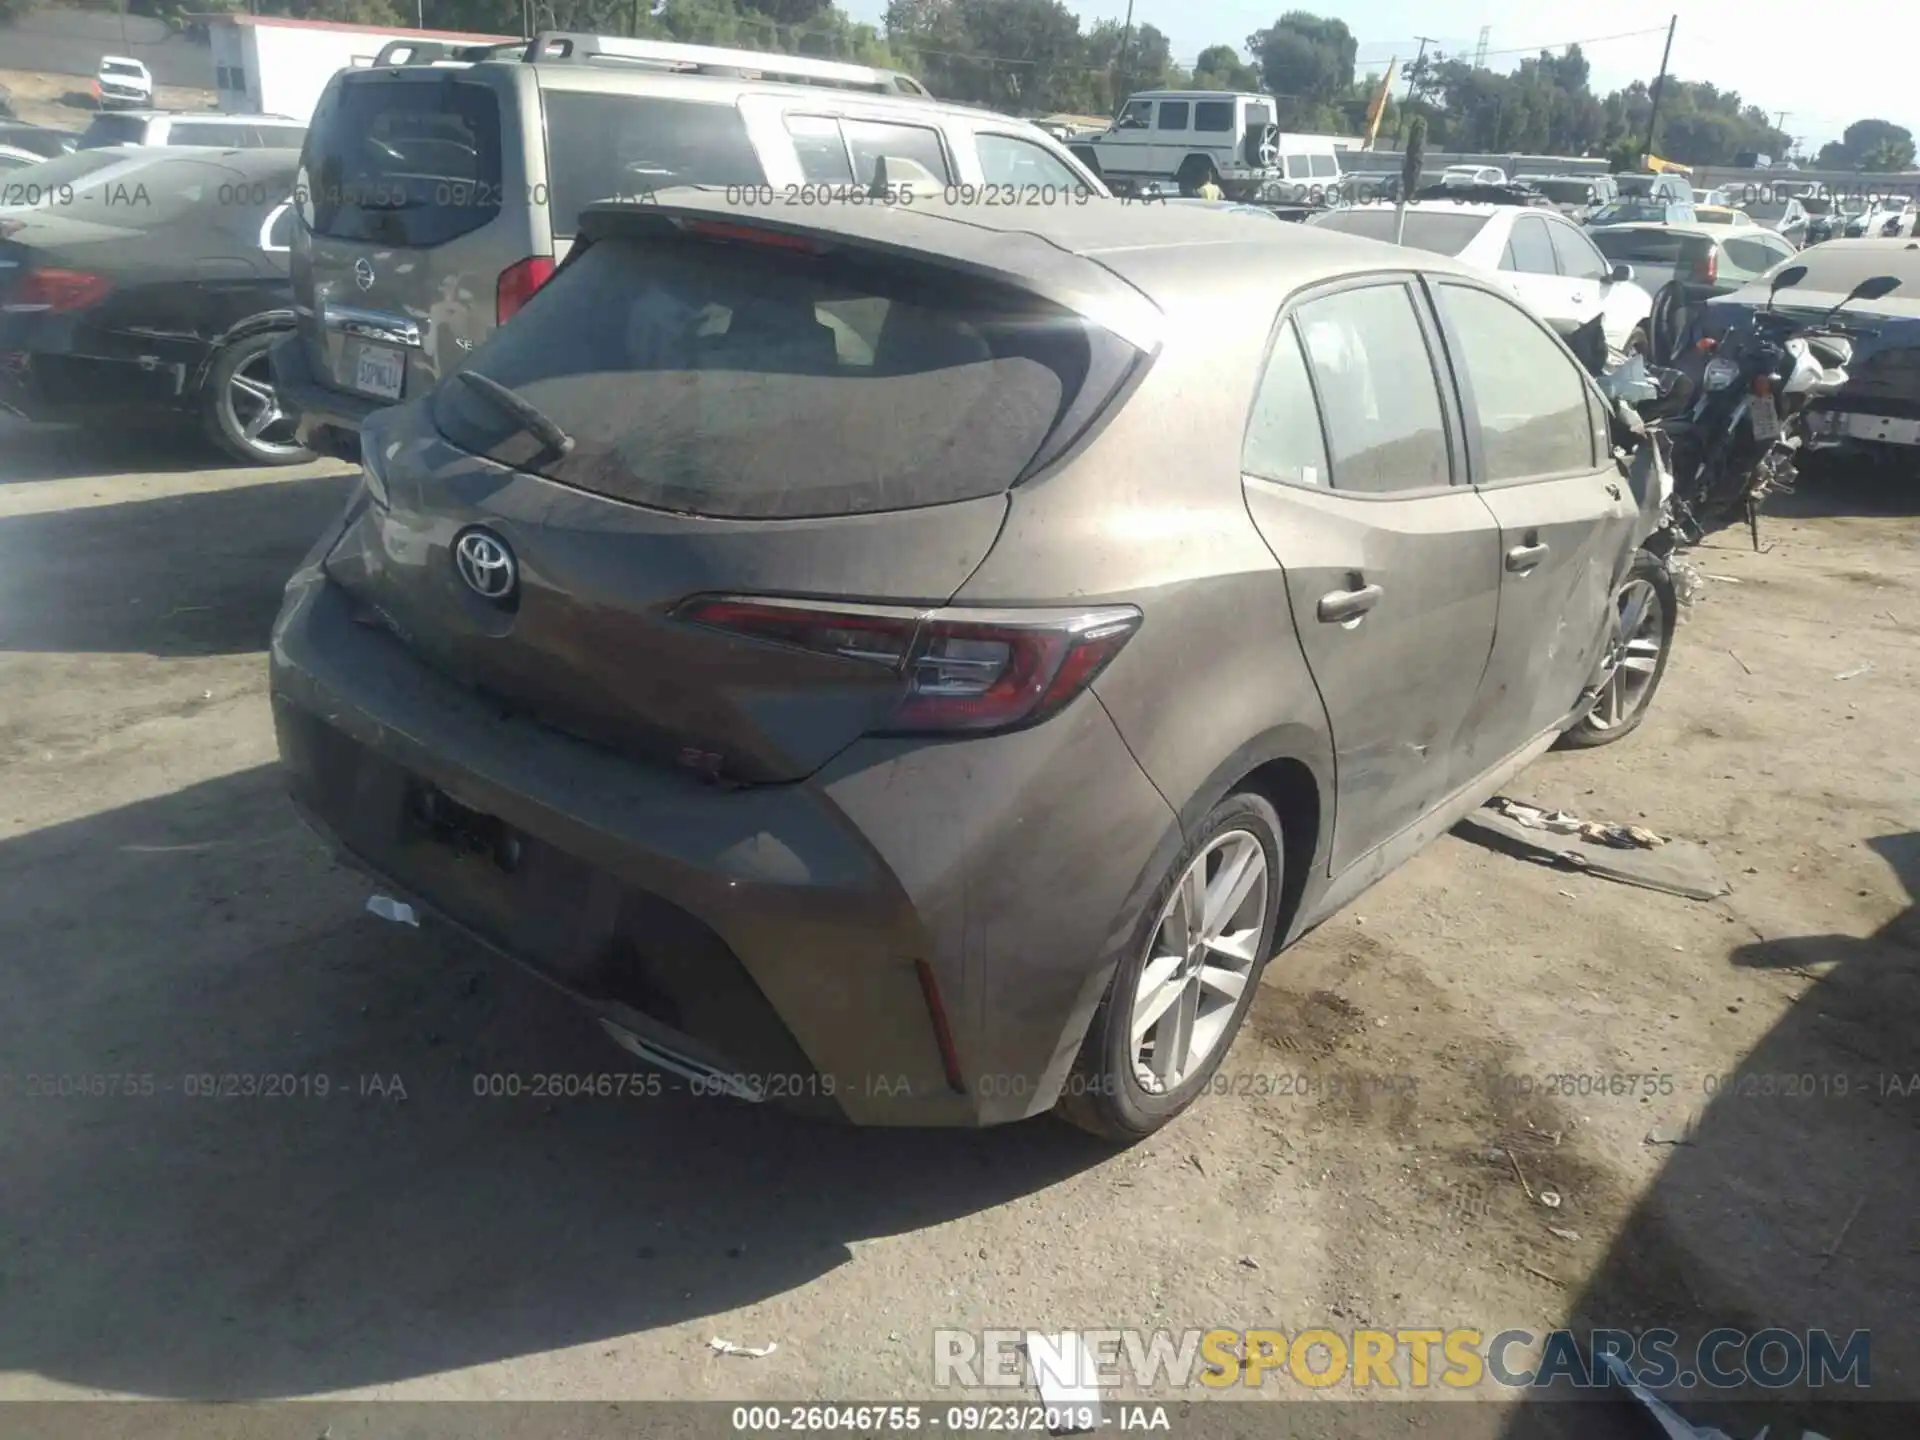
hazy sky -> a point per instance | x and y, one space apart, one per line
1824 64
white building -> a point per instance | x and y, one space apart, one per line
266 65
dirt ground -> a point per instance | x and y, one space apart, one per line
1382 1161
65 103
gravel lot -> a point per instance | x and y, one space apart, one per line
161 914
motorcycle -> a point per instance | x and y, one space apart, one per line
1732 410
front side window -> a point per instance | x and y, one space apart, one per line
1284 441
1009 160
1530 398
1381 401
1137 116
1213 116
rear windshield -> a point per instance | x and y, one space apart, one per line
728 379
1629 212
406 163
1649 247
1636 184
1441 231
113 130
603 147
37 140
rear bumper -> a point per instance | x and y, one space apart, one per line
783 932
329 419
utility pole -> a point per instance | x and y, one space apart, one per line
1120 65
1414 69
1659 83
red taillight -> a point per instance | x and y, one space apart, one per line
1763 384
57 290
517 284
1706 270
957 674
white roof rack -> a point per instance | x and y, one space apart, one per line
554 45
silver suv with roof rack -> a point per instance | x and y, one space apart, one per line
439 187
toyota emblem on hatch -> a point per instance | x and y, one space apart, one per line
486 564
363 273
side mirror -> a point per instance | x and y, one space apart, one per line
1621 274
1789 277
1874 287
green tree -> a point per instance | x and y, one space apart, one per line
1879 146
1221 67
1306 62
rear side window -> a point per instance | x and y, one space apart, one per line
278 137
1283 435
873 140
821 151
602 147
1756 257
1578 259
1324 165
222 136
406 163
1173 114
1375 379
1531 400
733 379
1215 116
1530 248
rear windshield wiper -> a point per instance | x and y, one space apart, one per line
531 419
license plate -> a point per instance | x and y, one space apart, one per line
1765 419
380 370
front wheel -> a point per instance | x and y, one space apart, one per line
1177 1000
1639 640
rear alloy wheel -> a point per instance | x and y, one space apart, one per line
1175 1004
1636 657
243 413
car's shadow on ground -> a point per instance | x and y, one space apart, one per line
1802 1169
1855 486
161 1242
193 574
70 452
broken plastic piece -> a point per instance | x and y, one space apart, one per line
752 1352
388 908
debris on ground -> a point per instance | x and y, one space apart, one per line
1669 1420
752 1352
1688 581
1676 1130
1854 673
1550 1199
1630 854
1563 1234
1062 1370
388 908
1561 823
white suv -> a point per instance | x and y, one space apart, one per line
121 81
172 127
1189 138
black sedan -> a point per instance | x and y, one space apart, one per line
152 285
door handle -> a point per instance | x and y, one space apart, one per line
1522 558
1337 607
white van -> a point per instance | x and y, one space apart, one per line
1186 138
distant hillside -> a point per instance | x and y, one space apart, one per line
71 42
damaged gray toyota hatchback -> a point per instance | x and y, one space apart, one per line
917 662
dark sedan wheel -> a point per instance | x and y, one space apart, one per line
243 412
1636 658
1177 1001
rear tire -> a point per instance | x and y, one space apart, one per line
1637 673
1114 1090
1195 171
241 410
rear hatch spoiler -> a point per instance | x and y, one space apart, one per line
928 231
